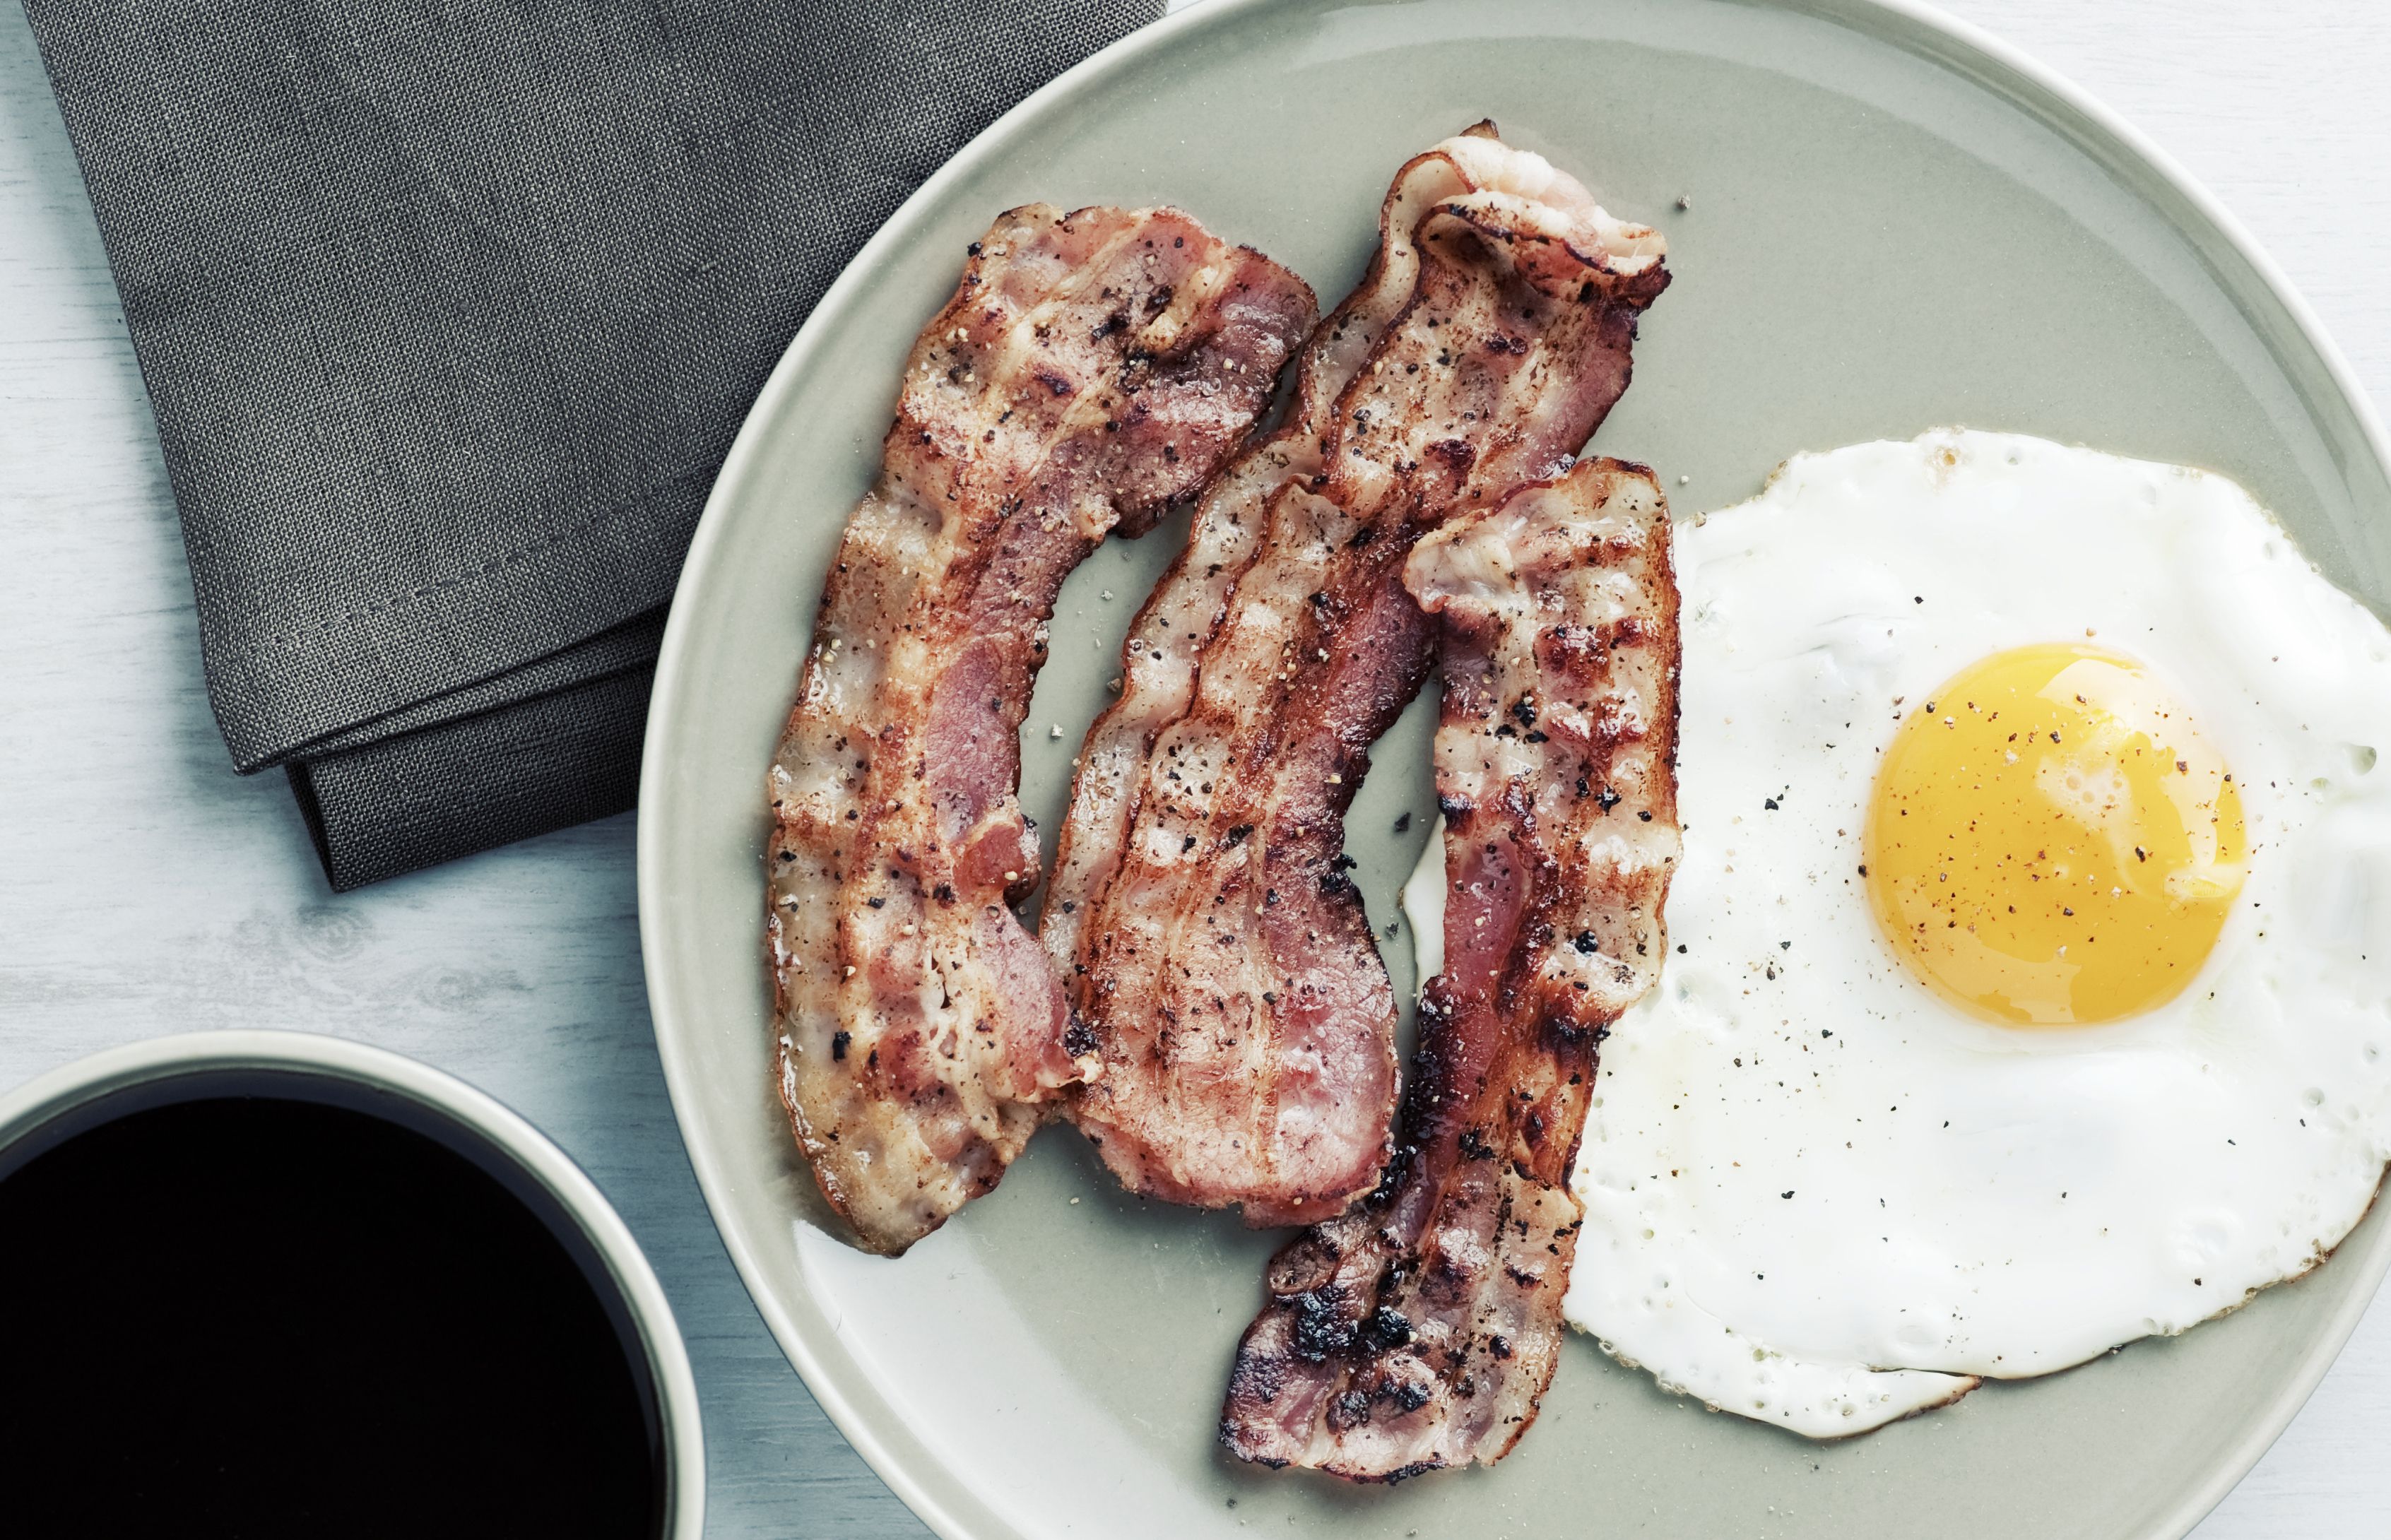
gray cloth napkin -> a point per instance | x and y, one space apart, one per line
447 314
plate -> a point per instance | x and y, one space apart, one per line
1890 223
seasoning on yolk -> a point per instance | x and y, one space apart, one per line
2051 842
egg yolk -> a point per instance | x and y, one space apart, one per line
2051 842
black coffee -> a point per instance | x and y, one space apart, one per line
257 1315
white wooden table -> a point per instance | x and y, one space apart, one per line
144 888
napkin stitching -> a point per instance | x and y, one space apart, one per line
475 573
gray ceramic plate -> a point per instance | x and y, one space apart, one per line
1893 224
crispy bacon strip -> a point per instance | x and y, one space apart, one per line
1419 1330
1090 368
1218 958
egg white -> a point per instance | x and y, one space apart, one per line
1819 1196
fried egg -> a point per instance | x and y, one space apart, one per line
2030 958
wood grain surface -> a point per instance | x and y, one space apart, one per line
145 889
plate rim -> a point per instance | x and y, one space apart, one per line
2003 69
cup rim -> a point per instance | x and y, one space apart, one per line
35 1104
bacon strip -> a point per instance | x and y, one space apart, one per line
1218 958
1090 368
1420 1329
